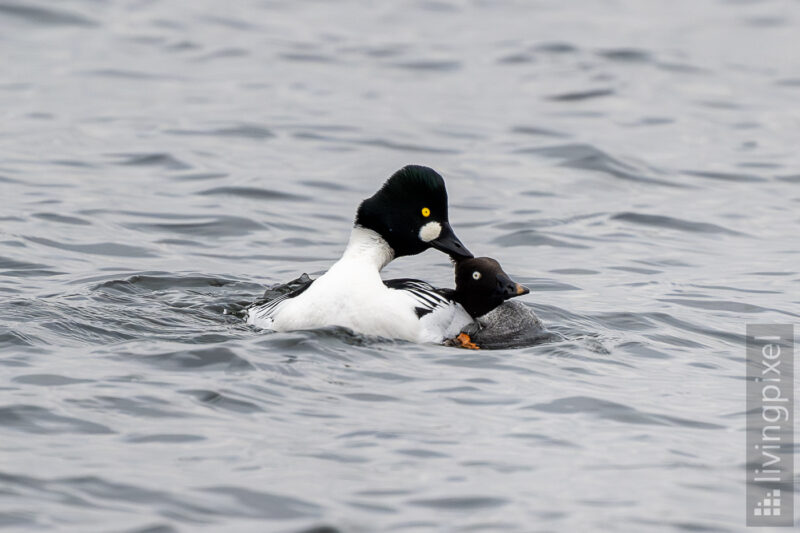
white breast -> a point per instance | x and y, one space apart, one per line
353 298
351 294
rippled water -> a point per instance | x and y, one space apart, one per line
634 163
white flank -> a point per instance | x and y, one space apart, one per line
350 294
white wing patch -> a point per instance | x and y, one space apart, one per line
426 298
440 318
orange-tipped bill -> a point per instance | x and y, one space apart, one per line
510 288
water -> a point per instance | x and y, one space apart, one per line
634 163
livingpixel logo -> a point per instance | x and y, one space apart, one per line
770 505
770 425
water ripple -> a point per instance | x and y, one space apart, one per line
99 248
582 156
581 95
253 192
34 419
166 161
673 223
616 412
45 16
245 131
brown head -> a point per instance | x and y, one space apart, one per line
482 285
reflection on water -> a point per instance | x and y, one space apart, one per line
634 164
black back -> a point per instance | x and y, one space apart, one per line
428 297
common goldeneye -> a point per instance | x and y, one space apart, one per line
481 286
406 216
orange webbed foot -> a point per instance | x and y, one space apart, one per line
464 341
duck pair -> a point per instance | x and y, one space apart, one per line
406 216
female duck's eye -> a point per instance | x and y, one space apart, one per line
426 212
476 275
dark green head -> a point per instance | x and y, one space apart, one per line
410 213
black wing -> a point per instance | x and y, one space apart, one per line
265 308
428 298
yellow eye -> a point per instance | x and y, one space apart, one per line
426 212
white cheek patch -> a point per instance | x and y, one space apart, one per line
430 231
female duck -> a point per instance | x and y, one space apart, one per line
446 314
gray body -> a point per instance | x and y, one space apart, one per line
510 325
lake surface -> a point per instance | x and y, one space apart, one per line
636 164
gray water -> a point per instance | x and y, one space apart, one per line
161 162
